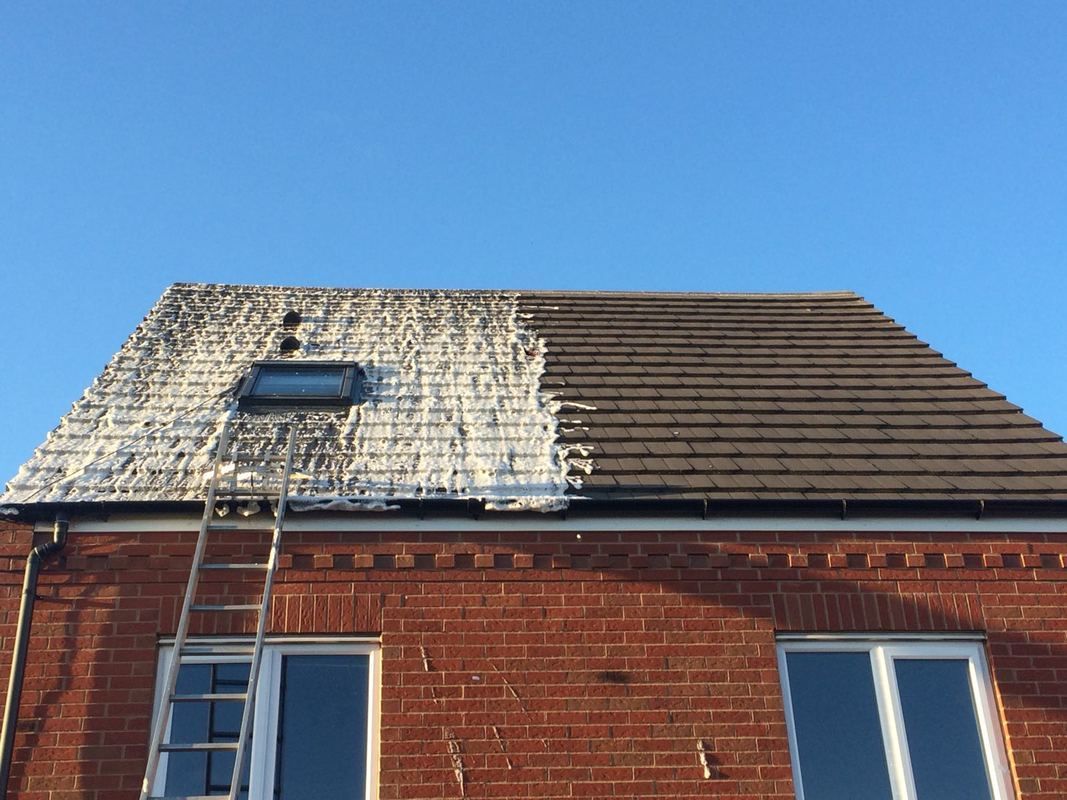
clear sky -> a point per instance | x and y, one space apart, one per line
914 152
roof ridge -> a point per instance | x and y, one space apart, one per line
828 294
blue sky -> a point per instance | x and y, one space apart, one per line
911 151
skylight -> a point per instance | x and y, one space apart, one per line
301 383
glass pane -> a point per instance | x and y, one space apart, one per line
206 773
297 381
941 725
322 732
839 738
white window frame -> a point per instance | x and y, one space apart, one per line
262 752
883 652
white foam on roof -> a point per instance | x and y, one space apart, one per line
453 405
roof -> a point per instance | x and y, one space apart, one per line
532 399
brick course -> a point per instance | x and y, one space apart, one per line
534 664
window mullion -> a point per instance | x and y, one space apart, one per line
264 728
896 747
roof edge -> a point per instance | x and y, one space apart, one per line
645 293
842 509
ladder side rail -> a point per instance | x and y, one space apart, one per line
170 684
261 628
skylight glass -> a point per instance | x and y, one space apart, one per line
295 383
309 381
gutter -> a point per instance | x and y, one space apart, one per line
612 505
22 640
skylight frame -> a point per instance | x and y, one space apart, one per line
350 373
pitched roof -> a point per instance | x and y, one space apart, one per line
528 399
790 396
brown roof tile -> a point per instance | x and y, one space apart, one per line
817 396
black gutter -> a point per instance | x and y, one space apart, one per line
621 504
22 640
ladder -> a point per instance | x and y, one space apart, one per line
232 478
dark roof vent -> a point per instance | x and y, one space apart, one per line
290 344
292 319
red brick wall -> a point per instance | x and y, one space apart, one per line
542 665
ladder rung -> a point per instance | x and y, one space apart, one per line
257 494
254 458
184 796
225 607
221 650
191 747
233 528
233 566
209 697
231 658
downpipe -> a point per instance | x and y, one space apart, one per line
22 641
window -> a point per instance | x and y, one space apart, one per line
301 383
313 731
891 719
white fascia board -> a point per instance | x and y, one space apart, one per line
502 522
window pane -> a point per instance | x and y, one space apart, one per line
835 716
299 381
187 772
322 733
941 726
206 773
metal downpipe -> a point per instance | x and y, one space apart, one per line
22 640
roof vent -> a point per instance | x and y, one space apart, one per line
292 319
290 344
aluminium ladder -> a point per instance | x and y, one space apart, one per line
237 467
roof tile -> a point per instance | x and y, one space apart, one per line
715 396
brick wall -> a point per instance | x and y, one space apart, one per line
540 665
